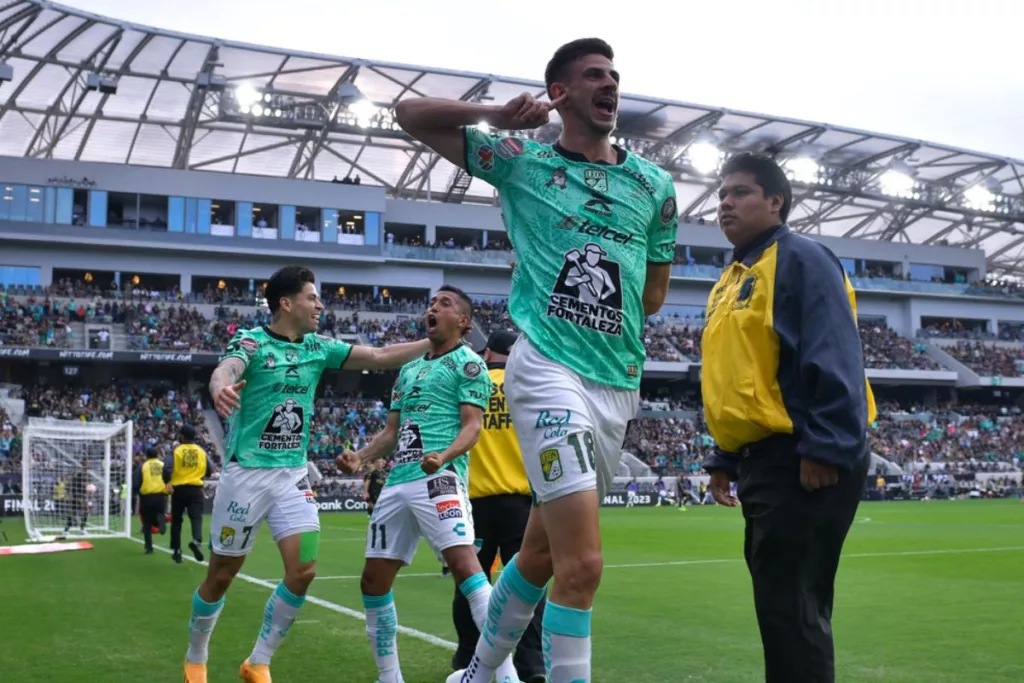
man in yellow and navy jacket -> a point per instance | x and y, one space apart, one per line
788 404
189 467
150 485
500 497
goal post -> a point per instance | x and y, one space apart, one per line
72 478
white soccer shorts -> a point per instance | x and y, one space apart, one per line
436 508
247 496
570 429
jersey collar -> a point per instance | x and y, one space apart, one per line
750 252
577 157
281 337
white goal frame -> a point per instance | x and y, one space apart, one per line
75 430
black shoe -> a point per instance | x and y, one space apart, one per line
149 551
196 551
176 556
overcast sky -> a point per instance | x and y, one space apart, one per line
945 71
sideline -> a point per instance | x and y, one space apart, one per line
681 563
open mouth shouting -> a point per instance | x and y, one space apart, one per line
431 322
605 106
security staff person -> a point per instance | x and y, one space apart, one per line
151 484
788 404
500 497
189 467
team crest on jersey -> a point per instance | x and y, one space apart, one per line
746 294
270 363
227 536
291 355
510 148
424 371
588 292
596 179
668 210
485 158
283 431
551 464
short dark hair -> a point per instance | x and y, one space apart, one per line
187 433
287 281
569 53
768 174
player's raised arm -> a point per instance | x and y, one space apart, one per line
439 123
385 357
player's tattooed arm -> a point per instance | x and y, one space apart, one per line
385 357
225 385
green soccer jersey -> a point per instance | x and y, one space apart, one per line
272 427
428 396
583 234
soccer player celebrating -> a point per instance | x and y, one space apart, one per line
594 231
264 385
436 411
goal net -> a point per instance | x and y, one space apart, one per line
72 477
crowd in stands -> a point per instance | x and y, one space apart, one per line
886 350
988 360
33 323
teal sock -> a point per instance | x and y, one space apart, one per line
200 628
566 642
509 612
382 630
278 616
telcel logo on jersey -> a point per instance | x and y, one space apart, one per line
552 424
591 229
237 512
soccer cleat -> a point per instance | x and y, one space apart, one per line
176 556
195 673
254 673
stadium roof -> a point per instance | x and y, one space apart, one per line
92 88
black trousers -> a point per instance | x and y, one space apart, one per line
500 522
153 510
186 499
792 546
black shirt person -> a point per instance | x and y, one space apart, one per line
788 404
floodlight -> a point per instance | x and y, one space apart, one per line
896 183
105 84
257 110
363 110
704 157
246 95
803 169
980 198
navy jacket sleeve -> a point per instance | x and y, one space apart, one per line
168 469
821 362
722 461
136 480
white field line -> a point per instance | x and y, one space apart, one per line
681 563
271 585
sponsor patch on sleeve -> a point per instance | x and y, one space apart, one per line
471 369
248 345
668 210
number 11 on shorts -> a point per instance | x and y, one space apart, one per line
374 528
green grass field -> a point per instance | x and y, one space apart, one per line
927 591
